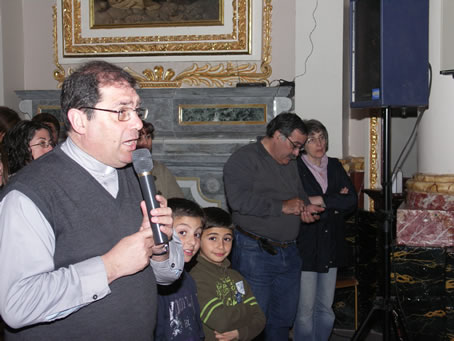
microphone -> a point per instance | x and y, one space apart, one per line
143 165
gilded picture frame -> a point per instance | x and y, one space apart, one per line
232 36
239 50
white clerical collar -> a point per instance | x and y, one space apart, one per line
106 175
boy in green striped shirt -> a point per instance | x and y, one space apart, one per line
229 310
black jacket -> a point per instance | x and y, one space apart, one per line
322 244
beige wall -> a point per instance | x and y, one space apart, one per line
38 51
436 137
320 68
12 50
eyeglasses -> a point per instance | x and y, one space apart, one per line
312 140
125 113
44 144
295 146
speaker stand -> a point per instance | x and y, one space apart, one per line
385 304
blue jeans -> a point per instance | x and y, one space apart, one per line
315 317
274 279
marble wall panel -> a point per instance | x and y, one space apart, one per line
421 227
418 271
425 318
430 201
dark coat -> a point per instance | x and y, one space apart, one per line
322 244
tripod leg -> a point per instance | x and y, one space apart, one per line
398 326
364 324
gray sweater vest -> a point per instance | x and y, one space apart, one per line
88 222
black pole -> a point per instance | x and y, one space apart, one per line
384 304
387 226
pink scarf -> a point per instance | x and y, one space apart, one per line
320 173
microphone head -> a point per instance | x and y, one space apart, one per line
142 161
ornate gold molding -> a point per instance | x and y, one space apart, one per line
373 156
59 72
431 183
208 75
353 164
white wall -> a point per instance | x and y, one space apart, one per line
283 36
12 50
38 45
319 84
436 137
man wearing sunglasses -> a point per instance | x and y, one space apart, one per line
75 238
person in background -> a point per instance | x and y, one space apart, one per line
322 244
25 142
229 310
8 118
268 202
75 238
52 122
166 183
178 308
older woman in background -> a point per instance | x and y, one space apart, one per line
25 142
322 244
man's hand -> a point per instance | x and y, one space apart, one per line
317 200
293 206
132 253
311 213
227 336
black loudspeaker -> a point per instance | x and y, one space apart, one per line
389 53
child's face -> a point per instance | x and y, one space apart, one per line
216 244
189 230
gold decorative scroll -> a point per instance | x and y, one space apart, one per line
353 164
59 72
431 183
221 74
373 156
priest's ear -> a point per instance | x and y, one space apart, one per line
78 120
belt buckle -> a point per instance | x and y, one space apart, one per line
266 246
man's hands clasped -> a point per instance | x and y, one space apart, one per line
308 213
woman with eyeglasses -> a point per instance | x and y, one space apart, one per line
25 142
322 244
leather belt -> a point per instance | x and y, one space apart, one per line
269 241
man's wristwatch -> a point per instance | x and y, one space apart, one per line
165 250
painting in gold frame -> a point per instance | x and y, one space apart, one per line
155 13
232 37
217 72
190 114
